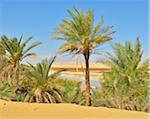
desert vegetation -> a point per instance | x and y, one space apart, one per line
126 86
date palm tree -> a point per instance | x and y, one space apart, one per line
126 86
41 85
15 52
82 36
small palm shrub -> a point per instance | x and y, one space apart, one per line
5 92
41 86
12 90
10 93
72 91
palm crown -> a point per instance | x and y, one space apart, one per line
15 50
127 59
81 33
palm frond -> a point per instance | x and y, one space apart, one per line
32 46
28 55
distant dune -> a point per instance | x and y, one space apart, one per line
79 65
15 110
74 70
77 68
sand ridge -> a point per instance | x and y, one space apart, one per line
18 110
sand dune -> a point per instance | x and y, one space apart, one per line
78 70
14 110
74 67
79 65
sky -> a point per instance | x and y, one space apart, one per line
38 18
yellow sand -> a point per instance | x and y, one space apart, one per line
15 110
79 65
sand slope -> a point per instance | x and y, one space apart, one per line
14 110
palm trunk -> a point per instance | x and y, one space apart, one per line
87 79
16 71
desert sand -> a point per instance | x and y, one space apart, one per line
16 110
77 70
78 67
